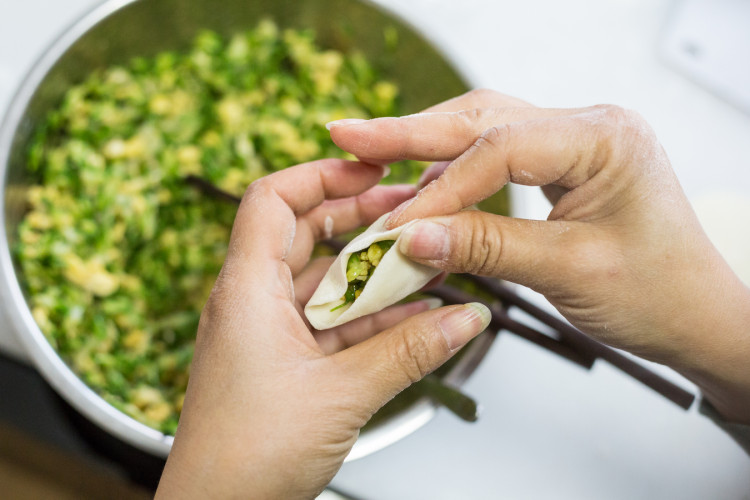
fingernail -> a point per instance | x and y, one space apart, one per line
425 240
462 325
345 121
386 171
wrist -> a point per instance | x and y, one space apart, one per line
717 353
219 462
203 468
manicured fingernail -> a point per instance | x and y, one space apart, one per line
462 325
425 240
345 121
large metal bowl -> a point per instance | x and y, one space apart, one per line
116 31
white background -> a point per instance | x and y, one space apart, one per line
548 429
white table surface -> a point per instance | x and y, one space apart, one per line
548 429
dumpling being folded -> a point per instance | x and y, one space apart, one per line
379 276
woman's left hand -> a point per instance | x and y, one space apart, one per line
272 409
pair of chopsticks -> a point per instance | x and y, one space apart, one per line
565 340
568 341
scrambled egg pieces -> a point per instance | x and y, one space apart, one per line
118 252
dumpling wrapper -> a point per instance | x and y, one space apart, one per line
394 278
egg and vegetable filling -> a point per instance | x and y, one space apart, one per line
359 269
118 253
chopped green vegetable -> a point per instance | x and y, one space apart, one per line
359 269
118 253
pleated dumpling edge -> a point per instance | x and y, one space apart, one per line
393 279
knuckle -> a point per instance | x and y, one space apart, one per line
468 118
624 119
471 115
612 111
612 117
471 123
494 137
482 94
491 135
623 129
482 250
411 352
257 189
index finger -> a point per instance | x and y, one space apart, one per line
478 98
567 151
471 100
437 136
265 223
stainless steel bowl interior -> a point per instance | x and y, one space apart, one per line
118 30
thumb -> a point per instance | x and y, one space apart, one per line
387 363
537 254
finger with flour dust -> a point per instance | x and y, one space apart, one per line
336 217
565 150
428 136
478 98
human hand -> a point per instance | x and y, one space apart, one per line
621 255
271 411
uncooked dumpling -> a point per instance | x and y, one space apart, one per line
392 278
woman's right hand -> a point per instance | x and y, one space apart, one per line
621 255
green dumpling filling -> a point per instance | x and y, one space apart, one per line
360 267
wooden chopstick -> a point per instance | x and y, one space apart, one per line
211 189
585 344
501 321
